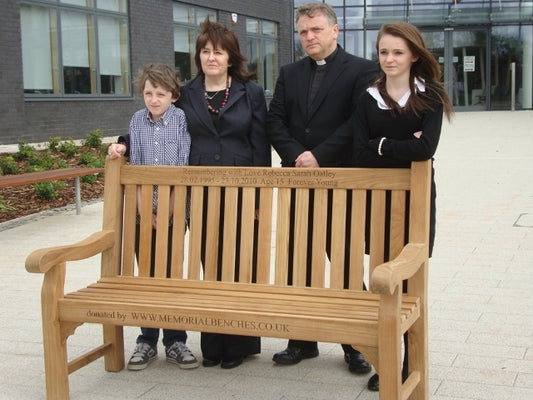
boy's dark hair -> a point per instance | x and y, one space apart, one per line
221 37
159 75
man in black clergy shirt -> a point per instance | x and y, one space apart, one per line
309 122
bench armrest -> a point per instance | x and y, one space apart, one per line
386 277
41 260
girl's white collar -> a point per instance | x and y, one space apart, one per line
373 91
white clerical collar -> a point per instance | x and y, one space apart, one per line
320 62
374 92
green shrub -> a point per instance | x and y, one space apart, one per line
53 143
8 165
94 139
86 158
49 161
25 152
33 168
49 190
89 178
68 147
3 206
91 160
99 162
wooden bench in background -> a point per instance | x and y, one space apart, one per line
214 296
51 175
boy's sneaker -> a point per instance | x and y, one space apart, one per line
179 353
143 355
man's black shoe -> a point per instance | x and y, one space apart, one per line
373 383
293 355
356 363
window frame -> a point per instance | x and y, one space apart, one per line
57 13
260 41
195 16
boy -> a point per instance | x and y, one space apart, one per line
159 136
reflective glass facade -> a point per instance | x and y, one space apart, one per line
484 47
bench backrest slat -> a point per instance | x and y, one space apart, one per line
397 229
195 235
264 235
244 231
130 211
178 245
357 239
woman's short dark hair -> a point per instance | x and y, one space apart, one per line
223 38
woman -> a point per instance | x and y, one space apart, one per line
225 114
399 118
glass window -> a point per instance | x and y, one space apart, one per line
75 50
378 14
298 3
269 29
181 13
252 25
354 17
354 2
39 49
112 5
68 51
82 3
261 45
511 45
354 43
187 21
524 85
370 45
339 11
112 35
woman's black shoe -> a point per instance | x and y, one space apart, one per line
231 362
208 362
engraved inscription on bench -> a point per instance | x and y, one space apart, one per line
281 177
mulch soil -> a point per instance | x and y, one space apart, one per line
25 201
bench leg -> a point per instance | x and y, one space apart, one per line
114 359
418 358
390 348
55 345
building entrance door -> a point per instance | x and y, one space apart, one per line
463 56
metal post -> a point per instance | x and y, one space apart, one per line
513 78
78 194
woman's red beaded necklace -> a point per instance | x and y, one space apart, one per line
226 95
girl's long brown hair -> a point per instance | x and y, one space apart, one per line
426 68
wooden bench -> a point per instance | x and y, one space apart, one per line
257 300
51 175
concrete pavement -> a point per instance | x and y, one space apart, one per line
481 293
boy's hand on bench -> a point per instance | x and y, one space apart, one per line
116 150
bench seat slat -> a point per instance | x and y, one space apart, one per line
316 303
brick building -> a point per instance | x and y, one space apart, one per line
67 65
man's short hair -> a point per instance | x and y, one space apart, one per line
310 9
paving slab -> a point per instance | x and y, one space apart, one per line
480 297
